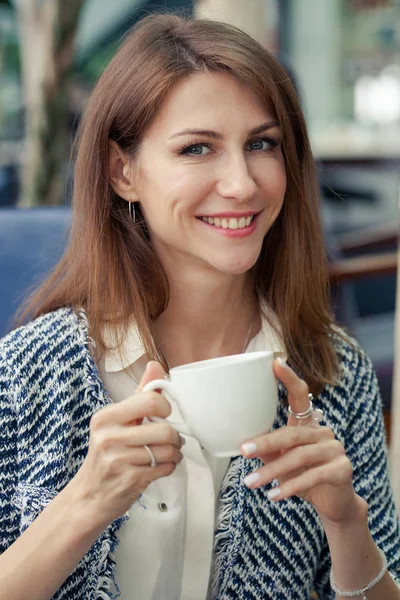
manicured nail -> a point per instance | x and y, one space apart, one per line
282 362
251 479
249 448
274 493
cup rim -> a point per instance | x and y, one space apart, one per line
227 361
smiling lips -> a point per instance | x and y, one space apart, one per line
229 222
231 225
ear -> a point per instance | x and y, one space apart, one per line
120 173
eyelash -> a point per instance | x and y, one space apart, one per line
273 142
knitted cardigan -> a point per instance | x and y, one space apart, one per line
50 388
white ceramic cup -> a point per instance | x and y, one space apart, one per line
223 401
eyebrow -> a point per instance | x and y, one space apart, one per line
218 136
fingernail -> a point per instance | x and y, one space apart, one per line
251 479
282 362
249 448
183 441
274 493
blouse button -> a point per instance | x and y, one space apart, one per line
163 507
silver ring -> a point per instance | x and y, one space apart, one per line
318 415
307 413
153 463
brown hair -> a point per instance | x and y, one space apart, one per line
110 268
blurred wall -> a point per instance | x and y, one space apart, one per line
249 15
315 52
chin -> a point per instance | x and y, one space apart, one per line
237 267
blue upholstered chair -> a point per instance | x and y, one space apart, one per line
31 242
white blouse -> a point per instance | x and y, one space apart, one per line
165 549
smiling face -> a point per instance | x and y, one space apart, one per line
210 175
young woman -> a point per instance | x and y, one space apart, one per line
195 234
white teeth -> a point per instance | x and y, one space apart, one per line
230 223
233 223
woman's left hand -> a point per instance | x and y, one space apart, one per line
304 457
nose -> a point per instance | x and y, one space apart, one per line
235 181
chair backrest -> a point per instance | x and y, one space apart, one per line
31 242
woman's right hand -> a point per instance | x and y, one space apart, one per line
117 467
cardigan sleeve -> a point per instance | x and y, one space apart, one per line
366 448
365 445
9 513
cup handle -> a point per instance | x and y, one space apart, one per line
166 386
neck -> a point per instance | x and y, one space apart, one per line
208 315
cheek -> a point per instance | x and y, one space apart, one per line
274 184
191 186
180 197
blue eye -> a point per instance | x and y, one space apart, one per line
196 150
263 144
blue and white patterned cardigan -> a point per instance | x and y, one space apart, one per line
50 388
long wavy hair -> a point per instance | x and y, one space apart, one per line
110 268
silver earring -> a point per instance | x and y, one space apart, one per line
132 211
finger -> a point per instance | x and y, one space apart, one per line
153 371
132 436
150 474
132 410
155 433
162 454
284 439
338 473
139 456
295 461
297 390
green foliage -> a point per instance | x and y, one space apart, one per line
11 57
92 69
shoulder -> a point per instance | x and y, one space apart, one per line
355 393
51 337
48 324
355 366
45 368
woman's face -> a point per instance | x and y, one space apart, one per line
210 175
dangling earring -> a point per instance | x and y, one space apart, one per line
132 211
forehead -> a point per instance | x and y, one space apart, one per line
210 100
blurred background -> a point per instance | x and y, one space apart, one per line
344 58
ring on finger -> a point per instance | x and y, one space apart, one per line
305 414
153 463
318 415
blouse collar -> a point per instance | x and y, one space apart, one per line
132 349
